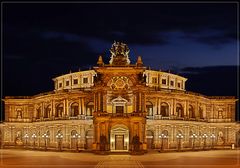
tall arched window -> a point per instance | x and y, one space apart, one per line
19 113
200 112
89 108
191 112
74 110
149 108
179 110
59 110
38 114
47 111
164 110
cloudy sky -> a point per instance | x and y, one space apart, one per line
44 40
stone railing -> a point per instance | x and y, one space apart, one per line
133 114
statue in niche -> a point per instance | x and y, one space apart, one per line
103 142
136 143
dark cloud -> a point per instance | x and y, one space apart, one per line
133 23
213 80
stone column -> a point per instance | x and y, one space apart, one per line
80 106
54 109
99 101
185 109
83 106
159 106
64 107
140 101
67 108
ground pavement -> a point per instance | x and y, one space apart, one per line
41 159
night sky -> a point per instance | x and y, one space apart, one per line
45 40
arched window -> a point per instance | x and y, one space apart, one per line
164 110
200 112
149 108
220 114
19 113
74 110
89 108
191 112
165 132
47 111
59 110
38 114
179 110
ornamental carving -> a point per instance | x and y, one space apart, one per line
121 83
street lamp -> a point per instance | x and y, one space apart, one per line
179 137
193 136
205 140
76 137
213 139
162 136
59 137
26 139
45 137
34 136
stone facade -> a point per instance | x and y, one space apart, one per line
119 107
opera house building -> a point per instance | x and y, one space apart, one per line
119 106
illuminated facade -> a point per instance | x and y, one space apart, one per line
119 107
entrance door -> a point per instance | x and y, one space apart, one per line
119 142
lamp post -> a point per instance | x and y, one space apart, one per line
26 139
34 136
59 137
179 137
193 137
76 137
162 136
204 140
45 137
213 139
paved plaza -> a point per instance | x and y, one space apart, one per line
41 159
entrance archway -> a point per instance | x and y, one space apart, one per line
119 138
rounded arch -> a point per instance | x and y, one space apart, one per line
164 109
200 111
179 110
149 108
38 112
59 110
74 109
89 108
47 111
73 132
165 132
191 111
19 113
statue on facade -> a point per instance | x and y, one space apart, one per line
136 143
119 54
103 142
